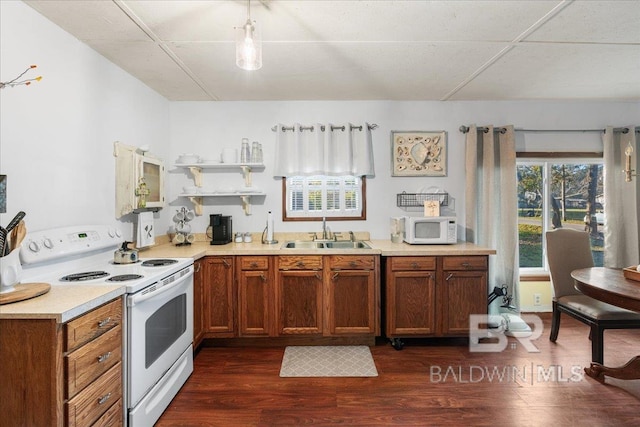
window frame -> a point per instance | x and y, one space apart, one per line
547 161
311 217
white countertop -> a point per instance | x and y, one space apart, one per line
64 302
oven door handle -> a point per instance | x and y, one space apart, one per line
137 299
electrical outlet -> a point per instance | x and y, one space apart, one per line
537 299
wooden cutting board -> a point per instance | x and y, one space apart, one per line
24 291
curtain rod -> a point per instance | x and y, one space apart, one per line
322 128
465 129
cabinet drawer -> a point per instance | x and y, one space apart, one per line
464 263
300 262
337 262
112 418
93 324
254 263
409 263
93 359
90 404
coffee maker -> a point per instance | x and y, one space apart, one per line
221 231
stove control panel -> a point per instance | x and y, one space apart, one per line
46 245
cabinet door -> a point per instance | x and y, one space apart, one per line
255 299
410 305
462 293
198 303
299 299
219 296
352 302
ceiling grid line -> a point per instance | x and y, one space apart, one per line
544 19
149 32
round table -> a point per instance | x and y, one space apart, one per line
609 285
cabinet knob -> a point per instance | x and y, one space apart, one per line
104 398
104 322
104 357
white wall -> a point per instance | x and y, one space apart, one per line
56 136
205 128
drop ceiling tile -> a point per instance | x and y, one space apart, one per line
343 20
337 70
560 71
90 20
149 63
593 22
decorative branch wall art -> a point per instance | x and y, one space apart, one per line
419 153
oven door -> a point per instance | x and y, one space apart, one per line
160 326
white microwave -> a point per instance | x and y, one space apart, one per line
430 230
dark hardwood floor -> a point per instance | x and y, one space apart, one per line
428 383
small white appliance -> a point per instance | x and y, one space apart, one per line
158 354
430 230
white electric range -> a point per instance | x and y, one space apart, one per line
158 354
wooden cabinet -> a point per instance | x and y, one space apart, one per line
463 292
255 296
434 296
63 374
198 303
351 295
219 297
411 296
299 295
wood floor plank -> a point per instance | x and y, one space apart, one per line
429 382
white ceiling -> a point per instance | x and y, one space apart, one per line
368 50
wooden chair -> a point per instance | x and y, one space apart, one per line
568 250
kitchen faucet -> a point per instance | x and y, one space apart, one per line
324 228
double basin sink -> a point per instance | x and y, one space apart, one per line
340 244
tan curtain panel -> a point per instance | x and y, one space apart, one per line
621 200
491 204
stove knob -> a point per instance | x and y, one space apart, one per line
34 246
48 243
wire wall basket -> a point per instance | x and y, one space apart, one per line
416 200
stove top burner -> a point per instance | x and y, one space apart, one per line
124 277
158 262
87 275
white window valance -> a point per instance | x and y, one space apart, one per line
324 149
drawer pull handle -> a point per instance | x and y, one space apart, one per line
466 265
415 265
104 398
104 322
353 264
104 357
300 264
449 276
254 265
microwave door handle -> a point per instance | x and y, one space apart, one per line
137 299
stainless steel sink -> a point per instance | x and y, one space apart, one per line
347 245
303 244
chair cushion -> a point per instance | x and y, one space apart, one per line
597 309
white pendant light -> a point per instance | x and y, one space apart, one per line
248 44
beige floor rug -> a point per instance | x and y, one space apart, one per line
328 361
